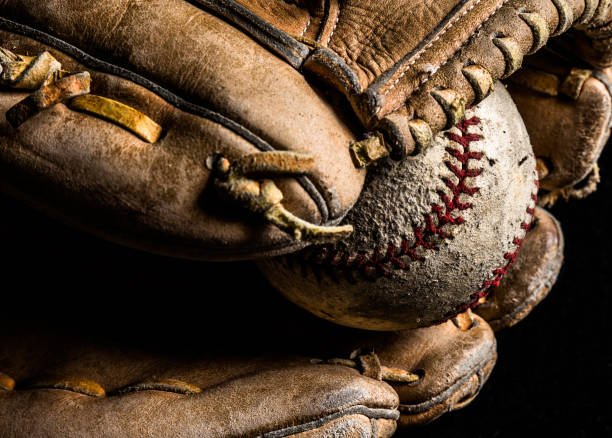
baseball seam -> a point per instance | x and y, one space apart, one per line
381 264
423 235
499 273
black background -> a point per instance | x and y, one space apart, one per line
554 372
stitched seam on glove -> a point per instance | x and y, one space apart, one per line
433 72
430 44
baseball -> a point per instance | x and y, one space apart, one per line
433 233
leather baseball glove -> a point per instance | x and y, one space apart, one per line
171 153
265 369
237 129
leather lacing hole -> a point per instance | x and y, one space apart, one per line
420 373
162 135
545 167
418 150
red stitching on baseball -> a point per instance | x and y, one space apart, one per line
378 264
499 272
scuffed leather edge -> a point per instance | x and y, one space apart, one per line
553 268
601 77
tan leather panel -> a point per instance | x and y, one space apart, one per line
296 19
354 426
463 395
444 355
387 54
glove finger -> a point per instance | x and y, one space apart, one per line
226 335
153 391
76 386
531 278
453 362
160 196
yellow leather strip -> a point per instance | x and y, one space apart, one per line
116 112
74 384
167 385
6 382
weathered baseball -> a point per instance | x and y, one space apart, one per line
433 233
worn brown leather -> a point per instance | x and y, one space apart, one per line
594 45
391 57
112 391
455 361
531 277
212 88
567 116
224 393
78 387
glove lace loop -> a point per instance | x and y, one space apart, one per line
370 366
50 85
240 184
